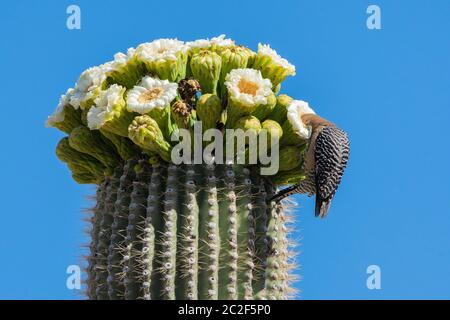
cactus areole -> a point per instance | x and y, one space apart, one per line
170 221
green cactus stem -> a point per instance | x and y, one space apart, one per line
116 250
188 239
277 268
100 281
187 232
133 245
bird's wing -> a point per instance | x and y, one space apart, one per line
331 156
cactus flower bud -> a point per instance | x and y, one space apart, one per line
124 146
248 123
90 142
273 130
83 176
262 111
235 57
145 132
209 110
290 158
205 67
279 113
77 160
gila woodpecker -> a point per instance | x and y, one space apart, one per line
325 161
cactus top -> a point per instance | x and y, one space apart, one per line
164 80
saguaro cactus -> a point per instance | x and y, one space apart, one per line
168 230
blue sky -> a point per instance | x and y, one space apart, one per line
388 88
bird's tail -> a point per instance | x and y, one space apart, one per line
322 207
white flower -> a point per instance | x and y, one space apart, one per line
266 50
206 43
295 111
58 115
104 104
151 93
248 86
222 42
89 80
162 49
120 60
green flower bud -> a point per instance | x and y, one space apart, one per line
124 146
290 137
232 58
248 123
205 67
163 119
145 132
279 113
251 127
90 142
262 111
209 110
77 161
251 56
273 131
290 158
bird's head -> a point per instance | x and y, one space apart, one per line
303 120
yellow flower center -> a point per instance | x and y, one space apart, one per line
248 87
150 95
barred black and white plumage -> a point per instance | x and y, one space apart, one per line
325 161
331 156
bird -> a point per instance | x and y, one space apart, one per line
326 158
